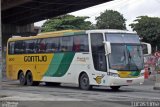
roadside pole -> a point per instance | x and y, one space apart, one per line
0 48
157 83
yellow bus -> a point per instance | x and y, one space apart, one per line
86 57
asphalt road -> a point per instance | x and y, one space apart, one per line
69 95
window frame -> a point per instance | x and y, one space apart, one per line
37 42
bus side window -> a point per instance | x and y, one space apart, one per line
77 44
52 45
66 43
42 46
16 49
11 48
19 47
49 47
30 46
80 43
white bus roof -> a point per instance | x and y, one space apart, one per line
69 32
109 31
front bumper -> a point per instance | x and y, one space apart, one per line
117 81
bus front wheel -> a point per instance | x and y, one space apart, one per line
22 79
84 82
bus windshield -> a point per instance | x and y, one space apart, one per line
125 56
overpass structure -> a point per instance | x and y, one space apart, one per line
21 12
18 16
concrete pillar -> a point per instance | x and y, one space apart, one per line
9 30
0 48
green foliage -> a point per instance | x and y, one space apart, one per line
66 22
111 20
148 28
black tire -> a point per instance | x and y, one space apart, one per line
29 79
115 88
22 79
52 84
84 82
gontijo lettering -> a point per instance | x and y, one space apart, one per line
35 58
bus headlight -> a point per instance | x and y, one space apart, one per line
113 74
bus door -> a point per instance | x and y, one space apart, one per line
98 52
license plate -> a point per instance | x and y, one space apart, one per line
129 81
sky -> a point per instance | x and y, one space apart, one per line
130 9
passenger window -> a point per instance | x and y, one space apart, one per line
42 45
80 43
30 46
19 47
11 48
52 45
66 43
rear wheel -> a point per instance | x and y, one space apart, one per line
115 88
22 79
30 81
84 82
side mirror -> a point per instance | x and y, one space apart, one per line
146 47
107 46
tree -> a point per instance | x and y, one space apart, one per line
111 20
66 22
148 28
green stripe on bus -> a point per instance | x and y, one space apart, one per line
60 64
68 33
54 65
65 64
79 33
